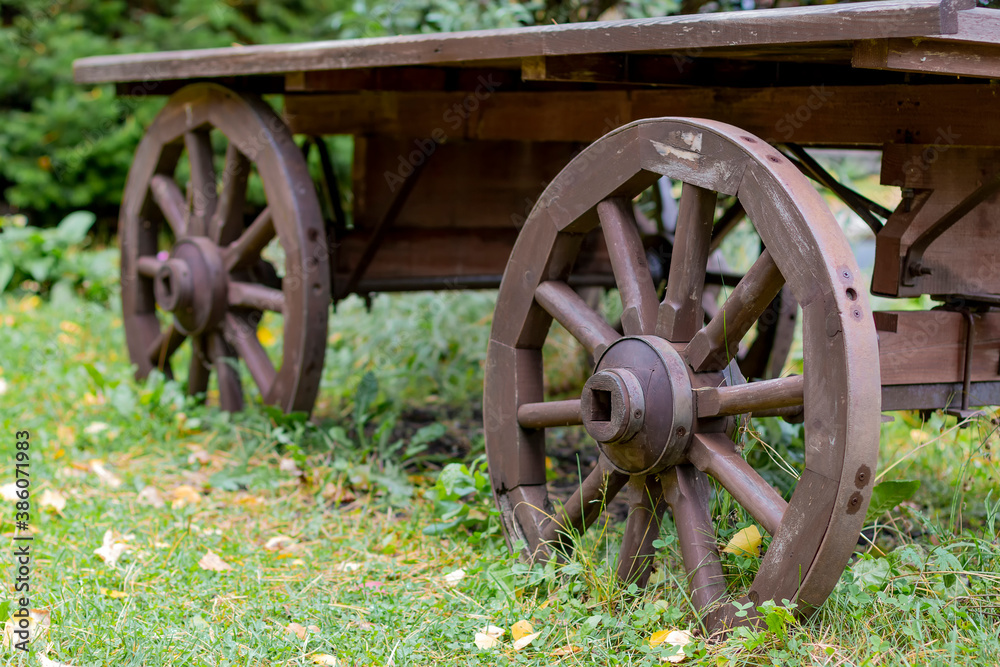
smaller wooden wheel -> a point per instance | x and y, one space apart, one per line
666 396
192 266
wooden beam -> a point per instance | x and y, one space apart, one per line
828 23
927 347
829 115
931 55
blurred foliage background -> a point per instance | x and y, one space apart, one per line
65 147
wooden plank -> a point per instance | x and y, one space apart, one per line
965 260
820 114
932 55
929 347
869 20
480 184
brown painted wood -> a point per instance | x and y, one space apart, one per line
628 261
816 114
716 455
462 183
932 55
750 397
966 258
893 18
929 347
549 414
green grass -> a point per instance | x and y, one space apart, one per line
928 591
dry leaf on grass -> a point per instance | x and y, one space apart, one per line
106 476
452 578
279 542
488 637
183 496
9 492
746 541
568 649
112 548
520 629
199 456
47 662
53 499
93 428
676 638
37 626
114 595
324 659
211 561
301 631
525 640
288 465
347 567
150 496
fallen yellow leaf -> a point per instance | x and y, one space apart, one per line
113 594
47 662
568 649
488 637
112 547
918 436
525 640
746 541
676 638
279 542
211 561
53 499
106 476
18 629
324 659
183 496
150 496
520 629
300 630
453 577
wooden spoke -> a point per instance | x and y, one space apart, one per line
753 397
226 373
687 491
586 504
628 261
148 266
164 346
549 414
243 337
170 200
646 507
680 314
227 221
571 311
203 185
717 343
256 297
248 246
198 368
715 454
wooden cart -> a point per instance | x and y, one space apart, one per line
511 158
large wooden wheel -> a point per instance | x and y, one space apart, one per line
191 265
664 397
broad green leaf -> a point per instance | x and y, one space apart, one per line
887 495
74 227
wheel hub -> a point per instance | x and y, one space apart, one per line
192 284
638 405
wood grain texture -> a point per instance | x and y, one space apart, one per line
871 20
932 55
818 114
929 347
966 258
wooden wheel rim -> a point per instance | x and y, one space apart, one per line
817 533
264 141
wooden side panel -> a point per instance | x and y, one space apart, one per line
932 55
462 184
926 347
966 258
818 114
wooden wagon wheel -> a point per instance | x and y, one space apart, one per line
662 399
187 250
